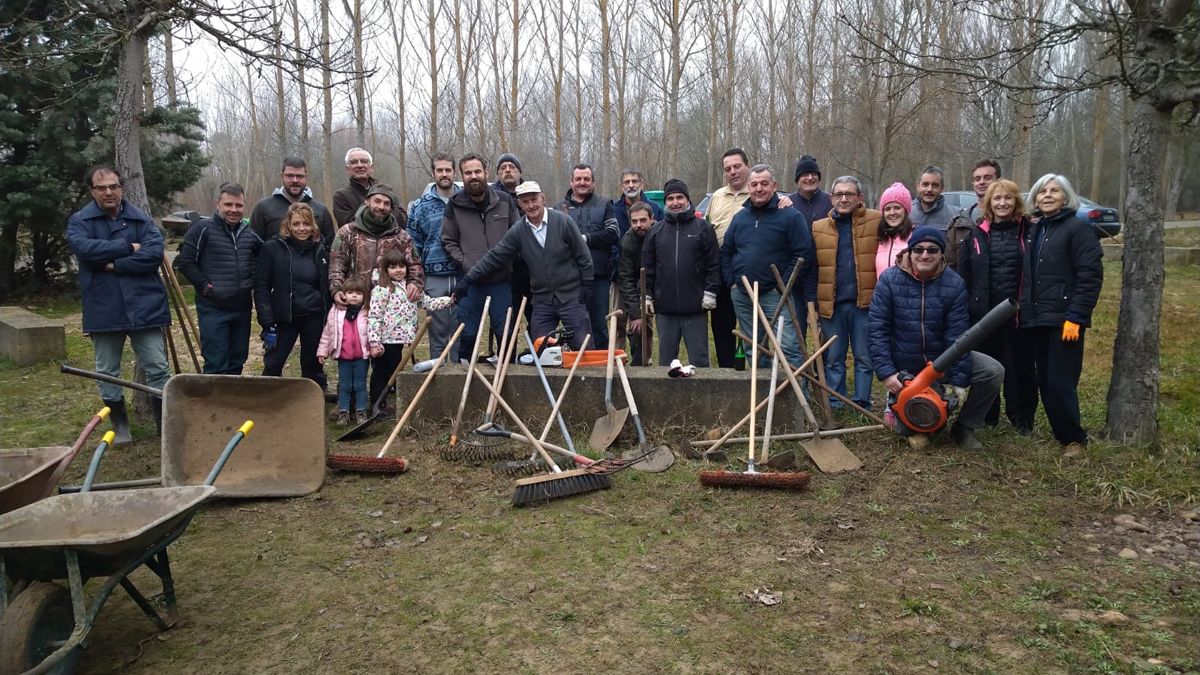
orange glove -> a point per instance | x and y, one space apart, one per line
1070 331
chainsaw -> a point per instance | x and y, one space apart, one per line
551 352
924 404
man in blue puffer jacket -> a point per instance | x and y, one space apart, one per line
918 310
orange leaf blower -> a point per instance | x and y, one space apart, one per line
922 405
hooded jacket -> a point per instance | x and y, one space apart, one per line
214 253
131 296
682 261
267 213
425 229
991 262
912 321
470 230
291 279
1062 273
358 248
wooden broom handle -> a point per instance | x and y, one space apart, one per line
412 405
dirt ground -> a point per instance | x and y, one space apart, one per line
1010 559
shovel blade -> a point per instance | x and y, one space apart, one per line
658 460
607 429
831 455
360 430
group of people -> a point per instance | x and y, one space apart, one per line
896 286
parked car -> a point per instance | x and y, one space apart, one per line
702 207
1104 219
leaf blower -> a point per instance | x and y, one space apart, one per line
922 405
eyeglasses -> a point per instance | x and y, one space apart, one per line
926 250
845 195
115 187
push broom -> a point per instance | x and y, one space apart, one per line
380 463
751 477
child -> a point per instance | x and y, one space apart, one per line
392 321
345 338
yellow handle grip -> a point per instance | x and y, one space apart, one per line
109 436
246 427
103 414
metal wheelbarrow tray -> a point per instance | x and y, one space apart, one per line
26 474
285 459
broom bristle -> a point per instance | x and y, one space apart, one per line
465 452
366 463
557 485
783 480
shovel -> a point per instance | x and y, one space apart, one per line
829 454
608 426
361 430
654 460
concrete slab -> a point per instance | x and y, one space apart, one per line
29 338
713 397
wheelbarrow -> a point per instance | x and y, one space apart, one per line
285 459
83 536
31 474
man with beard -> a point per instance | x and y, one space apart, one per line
593 215
508 170
929 208
918 310
641 219
632 185
360 244
360 167
267 213
475 220
683 276
425 228
560 267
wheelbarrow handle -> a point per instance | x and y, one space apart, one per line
233 443
70 370
96 457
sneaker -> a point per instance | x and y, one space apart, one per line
1071 450
343 418
918 441
965 438
360 417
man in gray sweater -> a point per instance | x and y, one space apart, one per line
560 266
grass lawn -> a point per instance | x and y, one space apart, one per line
1004 560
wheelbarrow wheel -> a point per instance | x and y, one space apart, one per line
38 622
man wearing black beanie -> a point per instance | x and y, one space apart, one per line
809 199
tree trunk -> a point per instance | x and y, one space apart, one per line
513 81
1133 392
327 100
301 82
1175 173
169 69
604 160
127 118
360 72
434 86
148 79
401 103
1099 132
280 95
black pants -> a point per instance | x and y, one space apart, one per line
382 368
1058 365
1015 353
724 320
635 345
308 330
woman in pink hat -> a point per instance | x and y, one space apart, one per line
896 205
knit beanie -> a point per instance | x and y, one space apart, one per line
676 186
509 157
925 233
382 189
899 194
807 164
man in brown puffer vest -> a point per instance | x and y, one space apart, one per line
846 243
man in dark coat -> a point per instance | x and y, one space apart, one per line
683 275
593 215
560 267
218 256
119 250
360 167
641 219
267 213
631 193
918 310
809 199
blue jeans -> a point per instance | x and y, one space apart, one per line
597 307
470 311
224 337
744 309
849 324
151 350
352 379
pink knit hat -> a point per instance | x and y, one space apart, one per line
896 192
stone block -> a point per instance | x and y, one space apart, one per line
28 338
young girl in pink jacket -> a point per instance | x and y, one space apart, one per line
345 339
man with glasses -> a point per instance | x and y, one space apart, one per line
986 172
119 250
267 213
360 168
632 185
846 244
918 311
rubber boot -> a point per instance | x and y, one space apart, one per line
120 421
156 408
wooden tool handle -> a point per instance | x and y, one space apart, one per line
563 394
412 405
517 420
462 401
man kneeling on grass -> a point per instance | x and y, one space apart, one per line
560 266
918 310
